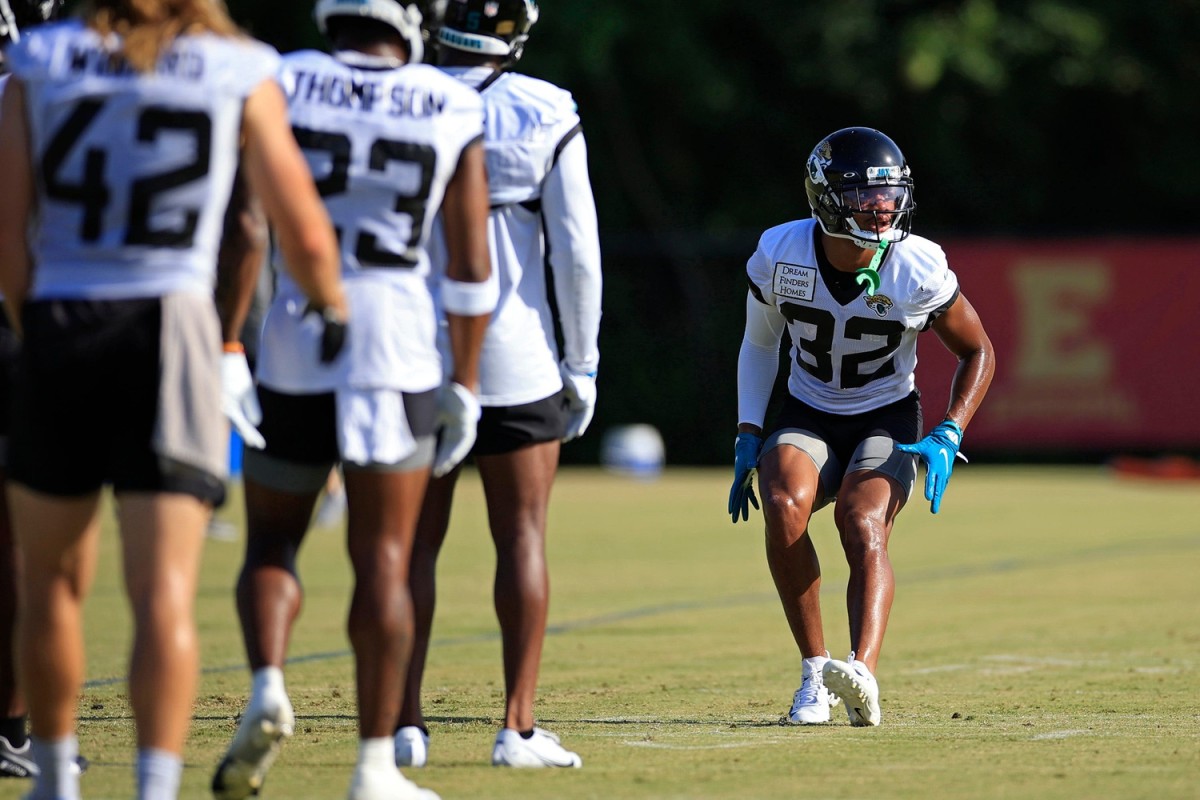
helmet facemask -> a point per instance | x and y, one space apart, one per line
860 188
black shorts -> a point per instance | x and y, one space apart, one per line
503 429
302 428
86 401
841 443
843 433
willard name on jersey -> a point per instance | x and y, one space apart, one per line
135 169
852 351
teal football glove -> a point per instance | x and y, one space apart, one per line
938 450
745 463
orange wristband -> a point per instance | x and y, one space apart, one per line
234 347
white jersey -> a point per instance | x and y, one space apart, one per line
542 208
382 143
852 351
134 169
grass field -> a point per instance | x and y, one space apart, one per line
1044 643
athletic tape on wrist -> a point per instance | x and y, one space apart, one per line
470 299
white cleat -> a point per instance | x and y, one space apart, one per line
812 701
385 783
856 686
265 724
412 747
543 749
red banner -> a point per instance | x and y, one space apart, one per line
1097 344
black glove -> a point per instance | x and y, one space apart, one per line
333 332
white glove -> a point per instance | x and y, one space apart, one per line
238 399
457 424
580 390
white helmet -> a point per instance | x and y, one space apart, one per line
406 19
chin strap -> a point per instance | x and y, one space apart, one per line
869 275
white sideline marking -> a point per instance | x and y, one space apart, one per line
1059 734
726 746
941 668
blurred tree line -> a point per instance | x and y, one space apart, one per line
1024 117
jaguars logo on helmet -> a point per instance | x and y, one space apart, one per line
489 27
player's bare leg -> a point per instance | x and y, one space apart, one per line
790 487
866 509
432 525
383 509
269 593
162 538
59 540
269 598
864 514
12 704
789 484
517 485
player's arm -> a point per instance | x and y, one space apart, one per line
279 176
961 331
467 295
468 298
573 242
243 247
240 259
758 362
573 237
15 201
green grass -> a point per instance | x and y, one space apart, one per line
1045 642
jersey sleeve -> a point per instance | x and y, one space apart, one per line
760 269
934 286
255 63
574 254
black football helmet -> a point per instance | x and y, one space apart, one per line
489 27
858 171
16 15
432 12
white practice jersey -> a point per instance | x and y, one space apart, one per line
852 351
134 169
382 144
542 208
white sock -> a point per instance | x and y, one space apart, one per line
377 753
267 679
56 763
158 774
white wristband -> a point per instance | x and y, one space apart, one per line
470 299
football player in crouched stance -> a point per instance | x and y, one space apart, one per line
389 142
854 290
533 396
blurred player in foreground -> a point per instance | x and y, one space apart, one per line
16 758
135 114
389 141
